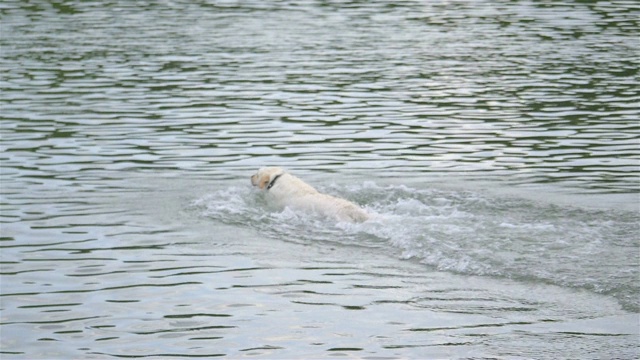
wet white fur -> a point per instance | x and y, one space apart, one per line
290 191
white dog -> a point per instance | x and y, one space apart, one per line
286 190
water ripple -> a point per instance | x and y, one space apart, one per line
195 112
100 259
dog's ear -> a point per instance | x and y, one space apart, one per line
264 181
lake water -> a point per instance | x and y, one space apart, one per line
498 141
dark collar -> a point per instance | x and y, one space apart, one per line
274 181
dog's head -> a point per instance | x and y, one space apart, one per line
265 176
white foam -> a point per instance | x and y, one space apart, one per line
458 231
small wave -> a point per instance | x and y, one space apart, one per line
462 232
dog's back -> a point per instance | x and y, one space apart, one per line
291 191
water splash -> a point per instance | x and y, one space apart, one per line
464 232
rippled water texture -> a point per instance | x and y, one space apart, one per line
538 93
498 141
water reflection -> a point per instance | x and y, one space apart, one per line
510 91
